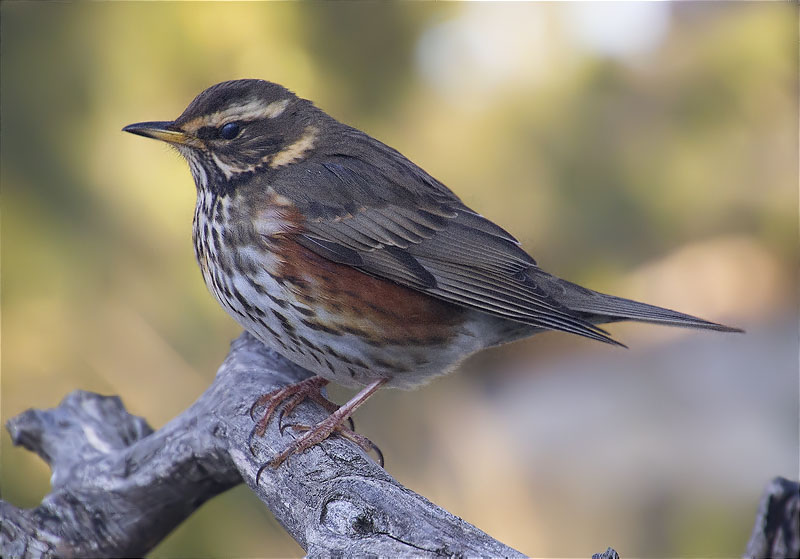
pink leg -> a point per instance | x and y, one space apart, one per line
296 393
324 428
316 396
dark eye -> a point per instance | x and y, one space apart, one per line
230 131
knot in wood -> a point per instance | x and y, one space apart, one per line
345 517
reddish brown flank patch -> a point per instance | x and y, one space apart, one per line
376 308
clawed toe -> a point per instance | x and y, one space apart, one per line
345 432
298 426
291 396
318 433
363 442
250 438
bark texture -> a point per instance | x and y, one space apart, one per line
118 487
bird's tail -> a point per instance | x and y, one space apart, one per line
599 308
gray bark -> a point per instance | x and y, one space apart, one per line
118 488
776 533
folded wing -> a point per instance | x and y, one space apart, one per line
422 236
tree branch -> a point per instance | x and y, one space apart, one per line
777 529
118 488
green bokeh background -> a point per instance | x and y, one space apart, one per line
610 167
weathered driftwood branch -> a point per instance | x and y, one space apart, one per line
119 487
777 529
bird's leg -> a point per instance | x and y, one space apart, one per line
348 433
315 396
333 422
362 441
297 392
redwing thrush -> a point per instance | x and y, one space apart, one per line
352 261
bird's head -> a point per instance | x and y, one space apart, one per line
236 128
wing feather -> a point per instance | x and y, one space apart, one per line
394 221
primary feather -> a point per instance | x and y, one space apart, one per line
369 207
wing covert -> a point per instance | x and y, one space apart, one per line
396 222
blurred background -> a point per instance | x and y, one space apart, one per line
644 149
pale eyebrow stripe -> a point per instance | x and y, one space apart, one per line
287 155
297 149
252 110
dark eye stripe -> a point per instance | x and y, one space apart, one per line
208 133
226 132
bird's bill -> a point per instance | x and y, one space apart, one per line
163 131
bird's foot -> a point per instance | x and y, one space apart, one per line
321 431
291 396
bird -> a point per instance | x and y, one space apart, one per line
351 261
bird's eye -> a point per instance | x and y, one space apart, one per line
230 131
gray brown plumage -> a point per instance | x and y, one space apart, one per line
350 259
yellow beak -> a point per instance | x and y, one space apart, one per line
164 131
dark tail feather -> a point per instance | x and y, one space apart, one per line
617 308
602 308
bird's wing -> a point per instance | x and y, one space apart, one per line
402 225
